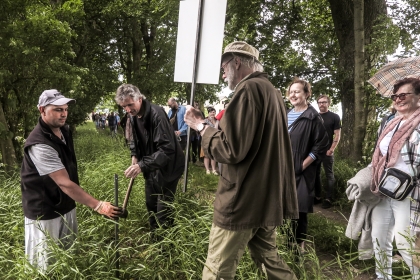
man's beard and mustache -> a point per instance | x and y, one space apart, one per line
230 77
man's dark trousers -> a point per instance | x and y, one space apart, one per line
157 199
195 148
328 163
183 142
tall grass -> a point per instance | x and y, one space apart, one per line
183 249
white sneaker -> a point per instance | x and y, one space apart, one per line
208 172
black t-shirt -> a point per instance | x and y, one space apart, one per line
331 122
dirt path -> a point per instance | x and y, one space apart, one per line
341 217
332 213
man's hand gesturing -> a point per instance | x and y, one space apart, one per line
193 117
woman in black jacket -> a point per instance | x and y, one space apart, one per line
309 144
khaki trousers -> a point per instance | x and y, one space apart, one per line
227 247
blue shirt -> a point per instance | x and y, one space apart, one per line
182 126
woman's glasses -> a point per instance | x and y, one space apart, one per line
401 96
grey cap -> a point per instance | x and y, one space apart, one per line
53 97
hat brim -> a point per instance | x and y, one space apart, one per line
240 53
63 101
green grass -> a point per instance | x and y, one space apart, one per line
183 250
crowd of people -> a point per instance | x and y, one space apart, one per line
270 159
102 120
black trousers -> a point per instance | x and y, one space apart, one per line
158 200
195 149
328 163
300 227
183 142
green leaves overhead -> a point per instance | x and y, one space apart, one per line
86 49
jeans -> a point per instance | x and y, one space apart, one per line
391 218
328 163
226 248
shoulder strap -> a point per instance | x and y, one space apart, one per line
387 152
410 165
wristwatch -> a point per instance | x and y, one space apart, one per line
201 126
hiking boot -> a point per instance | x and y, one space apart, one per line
327 204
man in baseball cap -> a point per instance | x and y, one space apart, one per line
50 183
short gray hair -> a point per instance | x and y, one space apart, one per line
250 62
128 90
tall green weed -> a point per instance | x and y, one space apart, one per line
183 249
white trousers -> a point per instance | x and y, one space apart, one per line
40 233
391 218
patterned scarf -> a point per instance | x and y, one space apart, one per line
395 145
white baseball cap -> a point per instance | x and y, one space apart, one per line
53 97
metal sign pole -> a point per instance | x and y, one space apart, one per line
194 77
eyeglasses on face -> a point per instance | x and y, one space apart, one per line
222 69
322 102
401 96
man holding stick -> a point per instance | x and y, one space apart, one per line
155 152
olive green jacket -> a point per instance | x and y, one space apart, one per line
257 183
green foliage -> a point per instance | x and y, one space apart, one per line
384 41
84 49
405 13
44 46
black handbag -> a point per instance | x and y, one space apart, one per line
395 183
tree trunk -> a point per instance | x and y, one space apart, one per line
6 144
137 51
342 14
354 108
360 114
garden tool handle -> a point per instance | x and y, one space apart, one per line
127 195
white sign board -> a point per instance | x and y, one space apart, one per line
210 45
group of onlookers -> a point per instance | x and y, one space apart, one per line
112 120
271 159
176 117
